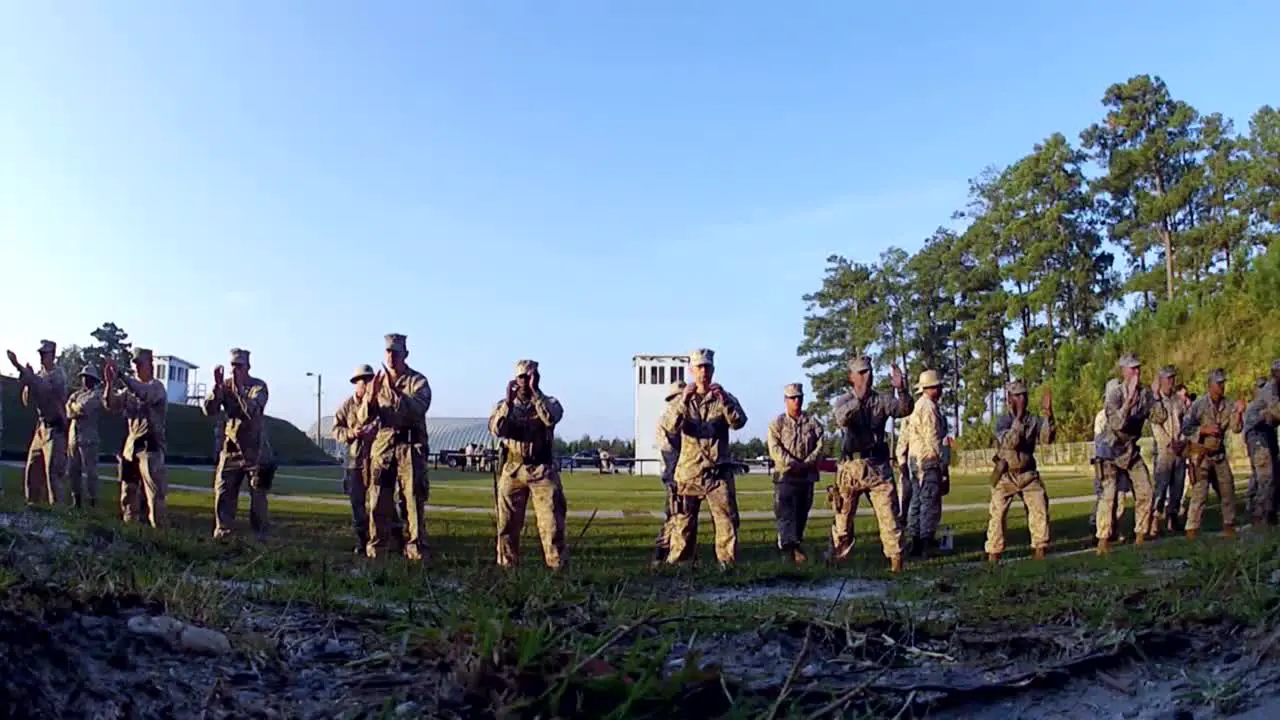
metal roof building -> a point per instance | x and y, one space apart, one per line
443 433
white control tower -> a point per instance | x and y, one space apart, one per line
652 375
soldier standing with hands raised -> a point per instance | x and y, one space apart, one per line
244 454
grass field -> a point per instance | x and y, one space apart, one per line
517 627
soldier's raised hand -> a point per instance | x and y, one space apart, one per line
1240 405
535 378
13 360
895 377
512 387
1046 401
717 392
108 372
218 376
689 391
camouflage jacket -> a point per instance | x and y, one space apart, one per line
795 446
350 416
400 409
1204 412
82 410
47 390
1125 417
863 421
527 427
245 407
703 423
145 406
1018 436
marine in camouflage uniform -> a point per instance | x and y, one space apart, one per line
795 446
525 421
669 447
927 456
83 408
1017 435
46 388
1204 428
144 403
1170 465
398 400
244 455
703 415
1259 422
864 461
903 485
1128 405
352 428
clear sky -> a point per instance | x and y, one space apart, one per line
574 182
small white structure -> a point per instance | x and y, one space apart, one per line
652 375
178 377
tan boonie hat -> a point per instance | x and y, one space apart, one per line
860 364
1217 375
674 389
524 367
91 371
702 356
1016 387
362 372
1168 371
48 346
141 355
929 379
396 341
239 356
1129 360
793 390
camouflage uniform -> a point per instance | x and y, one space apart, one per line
1259 428
1099 427
527 428
1016 441
1170 466
244 453
669 447
83 408
903 486
143 476
47 455
1121 457
926 457
348 421
398 459
705 469
1207 455
864 466
795 446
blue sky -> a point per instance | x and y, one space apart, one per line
574 182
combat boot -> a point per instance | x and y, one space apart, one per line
1038 554
1139 538
915 548
659 558
75 500
993 558
1104 546
895 564
798 556
1229 531
1192 533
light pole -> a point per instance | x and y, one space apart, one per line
319 387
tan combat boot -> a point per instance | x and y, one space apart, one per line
1038 554
1191 533
798 556
1229 531
993 558
895 564
1139 538
1104 546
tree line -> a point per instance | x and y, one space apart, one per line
1154 202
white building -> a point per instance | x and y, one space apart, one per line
652 375
179 379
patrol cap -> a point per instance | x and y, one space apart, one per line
91 371
1129 360
524 367
239 356
860 364
1015 387
1168 371
929 379
362 372
1217 375
48 346
1275 366
141 355
396 342
702 356
674 389
794 390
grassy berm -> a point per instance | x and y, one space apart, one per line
1175 628
189 433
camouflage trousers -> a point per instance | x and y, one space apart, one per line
903 490
662 543
516 485
1170 471
357 491
144 481
1109 505
855 478
397 498
1263 484
792 500
232 473
82 471
924 511
1030 488
721 495
1206 470
46 466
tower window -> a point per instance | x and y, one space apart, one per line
640 380
653 375
677 374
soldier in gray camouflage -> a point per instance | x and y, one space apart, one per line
1204 428
795 447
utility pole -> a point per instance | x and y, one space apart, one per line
319 388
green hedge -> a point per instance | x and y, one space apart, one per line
190 434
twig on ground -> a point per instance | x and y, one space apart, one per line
791 676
